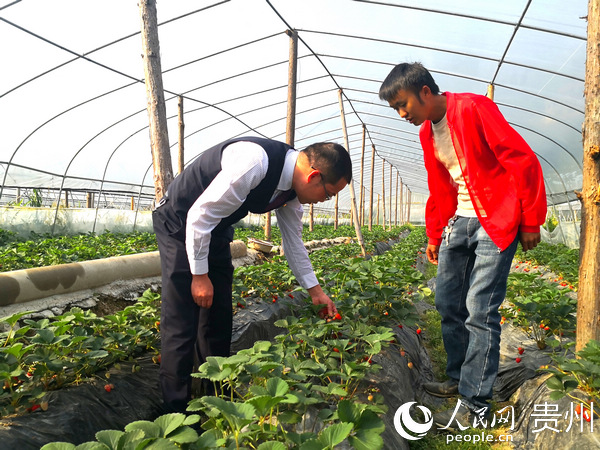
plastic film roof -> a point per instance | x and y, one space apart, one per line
73 100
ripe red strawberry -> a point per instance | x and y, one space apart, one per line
521 350
109 387
418 331
338 316
335 349
518 360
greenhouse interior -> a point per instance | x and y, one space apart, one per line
80 281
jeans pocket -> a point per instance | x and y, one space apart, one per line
485 245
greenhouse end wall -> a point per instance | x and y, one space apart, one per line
73 221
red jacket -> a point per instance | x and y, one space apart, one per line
502 174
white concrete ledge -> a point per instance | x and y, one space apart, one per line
21 286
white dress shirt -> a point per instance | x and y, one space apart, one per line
243 166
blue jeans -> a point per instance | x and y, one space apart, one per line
470 286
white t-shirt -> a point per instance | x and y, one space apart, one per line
445 153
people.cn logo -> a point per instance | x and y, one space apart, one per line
407 427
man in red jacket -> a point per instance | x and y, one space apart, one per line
486 194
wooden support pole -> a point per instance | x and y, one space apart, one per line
362 175
409 201
378 201
383 191
357 229
371 191
290 124
390 197
588 295
396 209
132 198
362 207
290 129
490 92
157 111
180 147
336 213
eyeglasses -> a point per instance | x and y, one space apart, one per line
327 196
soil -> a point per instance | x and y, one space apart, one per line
108 305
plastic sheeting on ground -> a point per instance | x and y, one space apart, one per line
76 413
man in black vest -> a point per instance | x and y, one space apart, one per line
193 226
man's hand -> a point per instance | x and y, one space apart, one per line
320 298
202 290
529 240
432 253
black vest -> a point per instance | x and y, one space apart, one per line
191 183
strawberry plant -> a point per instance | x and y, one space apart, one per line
539 308
46 250
581 373
273 386
302 390
559 258
48 354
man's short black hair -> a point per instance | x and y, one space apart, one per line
408 76
331 159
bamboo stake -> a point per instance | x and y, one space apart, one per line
357 229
